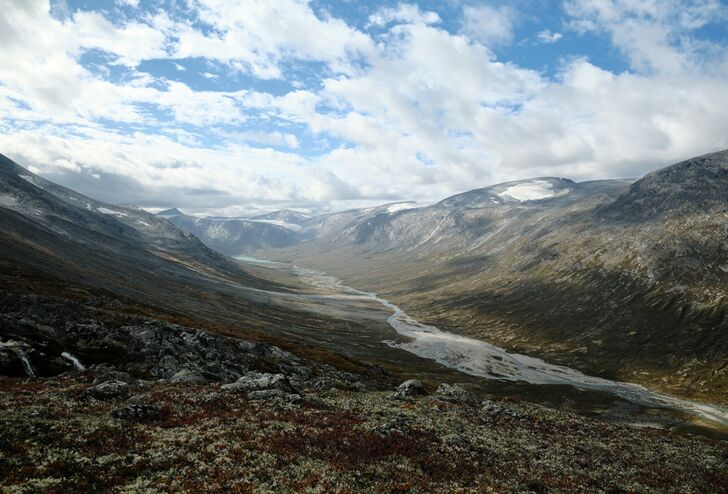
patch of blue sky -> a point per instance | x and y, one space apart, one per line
200 74
104 64
424 159
549 58
357 14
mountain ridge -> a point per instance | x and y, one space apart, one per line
578 279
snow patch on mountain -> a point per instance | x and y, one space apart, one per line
111 211
400 206
529 191
290 226
8 201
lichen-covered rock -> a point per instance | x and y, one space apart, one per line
409 389
454 394
399 424
131 347
269 394
455 442
105 374
187 376
499 410
109 389
260 381
262 386
137 412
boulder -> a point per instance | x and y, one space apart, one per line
263 386
106 374
109 389
187 376
454 394
409 389
256 382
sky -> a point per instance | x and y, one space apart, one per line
236 107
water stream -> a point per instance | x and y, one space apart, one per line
22 356
482 359
76 363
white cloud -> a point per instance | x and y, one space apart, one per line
655 36
256 35
130 43
489 25
275 138
414 112
548 37
405 13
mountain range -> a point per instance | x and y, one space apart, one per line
619 278
135 355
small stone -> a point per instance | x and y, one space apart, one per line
137 412
456 441
498 410
268 394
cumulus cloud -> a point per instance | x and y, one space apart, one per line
548 37
406 13
488 24
408 108
257 35
655 36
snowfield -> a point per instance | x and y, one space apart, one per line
110 211
7 201
529 191
400 206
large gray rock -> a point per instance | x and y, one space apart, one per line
109 389
263 386
256 382
187 376
409 389
454 394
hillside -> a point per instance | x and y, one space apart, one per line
618 279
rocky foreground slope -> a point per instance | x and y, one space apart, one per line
56 436
142 405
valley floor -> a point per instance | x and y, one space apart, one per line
55 437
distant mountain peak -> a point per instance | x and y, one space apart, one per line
167 213
532 189
696 184
286 215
